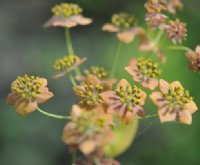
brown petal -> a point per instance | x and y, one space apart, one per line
43 81
185 117
128 117
126 36
156 98
151 84
110 28
44 96
12 98
108 83
191 106
78 63
82 20
76 111
24 107
77 89
92 79
87 147
106 96
58 21
164 86
143 97
166 117
59 75
123 83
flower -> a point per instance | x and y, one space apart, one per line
154 17
194 59
174 103
67 15
101 74
125 101
176 31
89 93
88 130
124 25
27 92
144 71
67 64
172 5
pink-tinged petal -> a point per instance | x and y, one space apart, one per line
78 63
126 36
143 97
110 28
152 84
110 109
24 107
92 79
44 96
63 22
139 111
161 57
157 98
87 147
43 81
164 86
191 106
108 83
176 84
78 89
59 75
165 115
123 83
76 111
185 117
107 97
197 50
128 117
12 98
82 20
133 63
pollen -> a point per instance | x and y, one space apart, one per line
129 96
148 68
66 10
123 20
91 95
65 63
27 86
99 72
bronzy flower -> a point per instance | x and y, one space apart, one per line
124 25
89 131
126 101
67 15
194 59
174 103
27 92
154 6
89 93
172 5
176 31
67 64
144 71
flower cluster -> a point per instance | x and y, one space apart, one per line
104 121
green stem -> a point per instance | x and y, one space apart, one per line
53 115
116 57
77 71
149 116
69 41
74 157
183 48
158 37
72 79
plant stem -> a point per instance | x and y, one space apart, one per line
158 37
74 157
53 115
183 48
149 116
116 57
72 79
69 41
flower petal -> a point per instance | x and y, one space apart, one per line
107 96
126 36
123 83
156 98
166 116
164 86
185 117
92 79
43 81
24 107
87 147
12 98
82 20
110 28
191 106
151 84
44 96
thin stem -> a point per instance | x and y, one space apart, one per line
74 157
149 116
158 37
183 48
77 71
72 79
116 57
69 41
52 115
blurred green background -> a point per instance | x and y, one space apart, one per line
26 47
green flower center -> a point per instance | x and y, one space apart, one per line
99 72
65 63
90 97
177 97
130 96
148 68
27 86
89 123
123 20
66 10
